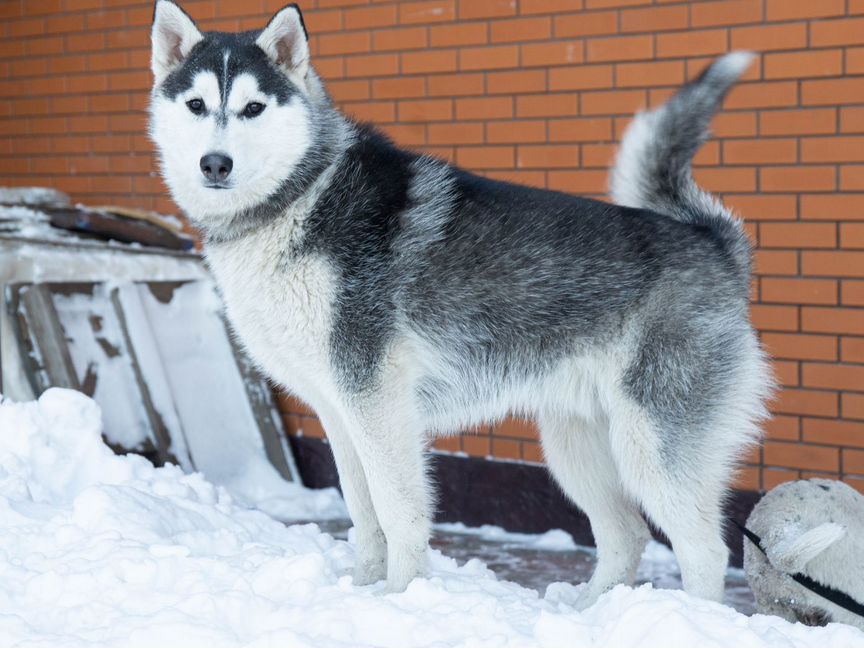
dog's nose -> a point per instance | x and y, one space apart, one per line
216 167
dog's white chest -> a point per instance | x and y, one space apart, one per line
280 307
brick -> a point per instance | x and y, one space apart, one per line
853 462
489 58
455 133
765 38
580 130
612 102
747 479
476 446
581 77
805 456
833 376
527 178
785 372
852 178
598 155
759 208
405 38
852 350
520 29
852 120
595 4
430 61
642 75
506 449
516 81
833 149
852 235
458 34
798 178
374 111
516 132
774 318
845 31
780 427
554 53
472 9
516 428
532 453
373 65
771 94
773 477
846 206
653 19
355 90
833 264
368 17
621 48
428 11
450 444
486 157
583 181
398 87
853 406
426 110
854 60
692 43
407 134
484 108
726 12
852 292
586 24
797 235
821 92
733 179
762 151
547 157
799 291
834 432
814 121
344 43
548 6
777 10
454 85
844 321
796 65
547 105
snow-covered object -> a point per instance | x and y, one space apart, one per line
33 196
100 550
814 527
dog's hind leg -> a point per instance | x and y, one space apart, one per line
370 544
580 459
681 491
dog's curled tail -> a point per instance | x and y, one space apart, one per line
653 166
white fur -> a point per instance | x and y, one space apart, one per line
262 149
173 36
285 42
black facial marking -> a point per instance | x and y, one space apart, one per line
244 56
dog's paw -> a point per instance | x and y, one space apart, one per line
367 572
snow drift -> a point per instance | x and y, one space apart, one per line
105 550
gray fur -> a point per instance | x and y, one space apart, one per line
403 297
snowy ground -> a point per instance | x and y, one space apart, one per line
100 550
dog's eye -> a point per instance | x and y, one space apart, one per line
253 109
196 106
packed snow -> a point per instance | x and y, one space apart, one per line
105 550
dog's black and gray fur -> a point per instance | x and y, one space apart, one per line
401 296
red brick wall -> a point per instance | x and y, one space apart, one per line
535 91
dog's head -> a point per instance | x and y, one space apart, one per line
231 115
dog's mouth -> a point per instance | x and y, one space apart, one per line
216 186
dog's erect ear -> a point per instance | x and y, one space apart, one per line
173 35
286 42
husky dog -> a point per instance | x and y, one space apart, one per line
813 527
403 297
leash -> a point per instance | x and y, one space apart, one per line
835 596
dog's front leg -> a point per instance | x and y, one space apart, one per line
390 445
370 544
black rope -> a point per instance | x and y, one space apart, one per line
838 598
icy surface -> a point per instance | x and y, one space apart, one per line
32 196
101 550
